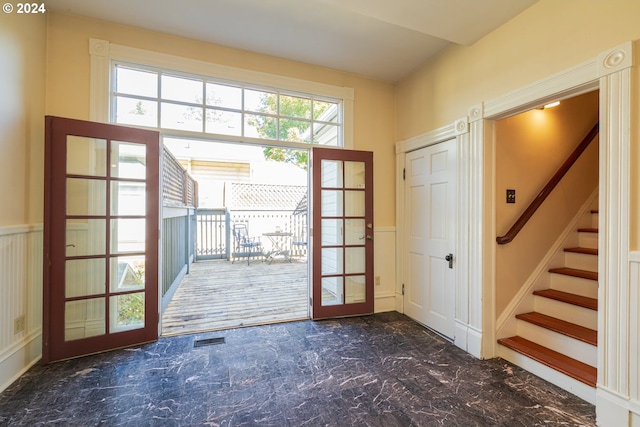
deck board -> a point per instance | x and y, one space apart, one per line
220 295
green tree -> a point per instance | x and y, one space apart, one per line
139 109
291 129
296 157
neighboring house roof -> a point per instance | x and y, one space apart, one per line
126 276
247 196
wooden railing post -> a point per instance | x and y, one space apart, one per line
227 236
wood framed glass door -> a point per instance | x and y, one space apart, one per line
342 233
100 238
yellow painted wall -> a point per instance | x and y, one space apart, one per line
530 147
545 39
22 103
68 86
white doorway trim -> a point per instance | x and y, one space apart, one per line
466 336
618 391
610 73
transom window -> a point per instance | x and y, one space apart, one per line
168 100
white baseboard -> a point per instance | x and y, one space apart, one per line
614 409
469 339
384 303
474 342
18 358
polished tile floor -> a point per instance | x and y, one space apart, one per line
381 370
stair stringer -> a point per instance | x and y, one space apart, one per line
524 300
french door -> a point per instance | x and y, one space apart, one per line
342 233
100 238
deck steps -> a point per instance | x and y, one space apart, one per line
573 368
560 326
569 298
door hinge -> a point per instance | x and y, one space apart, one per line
403 289
311 301
404 174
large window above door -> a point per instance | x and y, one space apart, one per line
175 101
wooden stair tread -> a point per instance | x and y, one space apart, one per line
573 368
587 230
560 326
579 300
584 274
578 250
595 211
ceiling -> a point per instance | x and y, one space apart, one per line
380 39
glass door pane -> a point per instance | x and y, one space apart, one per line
92 308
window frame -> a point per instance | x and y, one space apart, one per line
204 107
104 55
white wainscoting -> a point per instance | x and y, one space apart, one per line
384 266
621 406
20 295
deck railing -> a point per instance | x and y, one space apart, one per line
179 200
212 234
215 231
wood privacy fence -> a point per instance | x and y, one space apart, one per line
178 187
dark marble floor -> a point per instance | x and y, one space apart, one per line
382 370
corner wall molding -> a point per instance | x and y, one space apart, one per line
426 139
99 47
461 126
616 59
476 112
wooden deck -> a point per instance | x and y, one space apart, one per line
220 295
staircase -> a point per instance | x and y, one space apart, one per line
560 335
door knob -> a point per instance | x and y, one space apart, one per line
450 259
369 237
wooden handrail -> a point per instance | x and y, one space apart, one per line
555 179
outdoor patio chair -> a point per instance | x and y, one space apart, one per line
299 245
245 246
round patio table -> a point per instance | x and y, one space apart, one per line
279 245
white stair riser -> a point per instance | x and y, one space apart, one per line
588 240
567 312
561 380
571 347
574 285
581 261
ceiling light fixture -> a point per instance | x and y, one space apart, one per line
551 105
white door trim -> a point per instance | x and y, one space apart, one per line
464 332
610 72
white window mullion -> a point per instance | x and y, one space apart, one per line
159 106
106 56
204 106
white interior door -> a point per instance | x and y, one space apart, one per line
429 252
